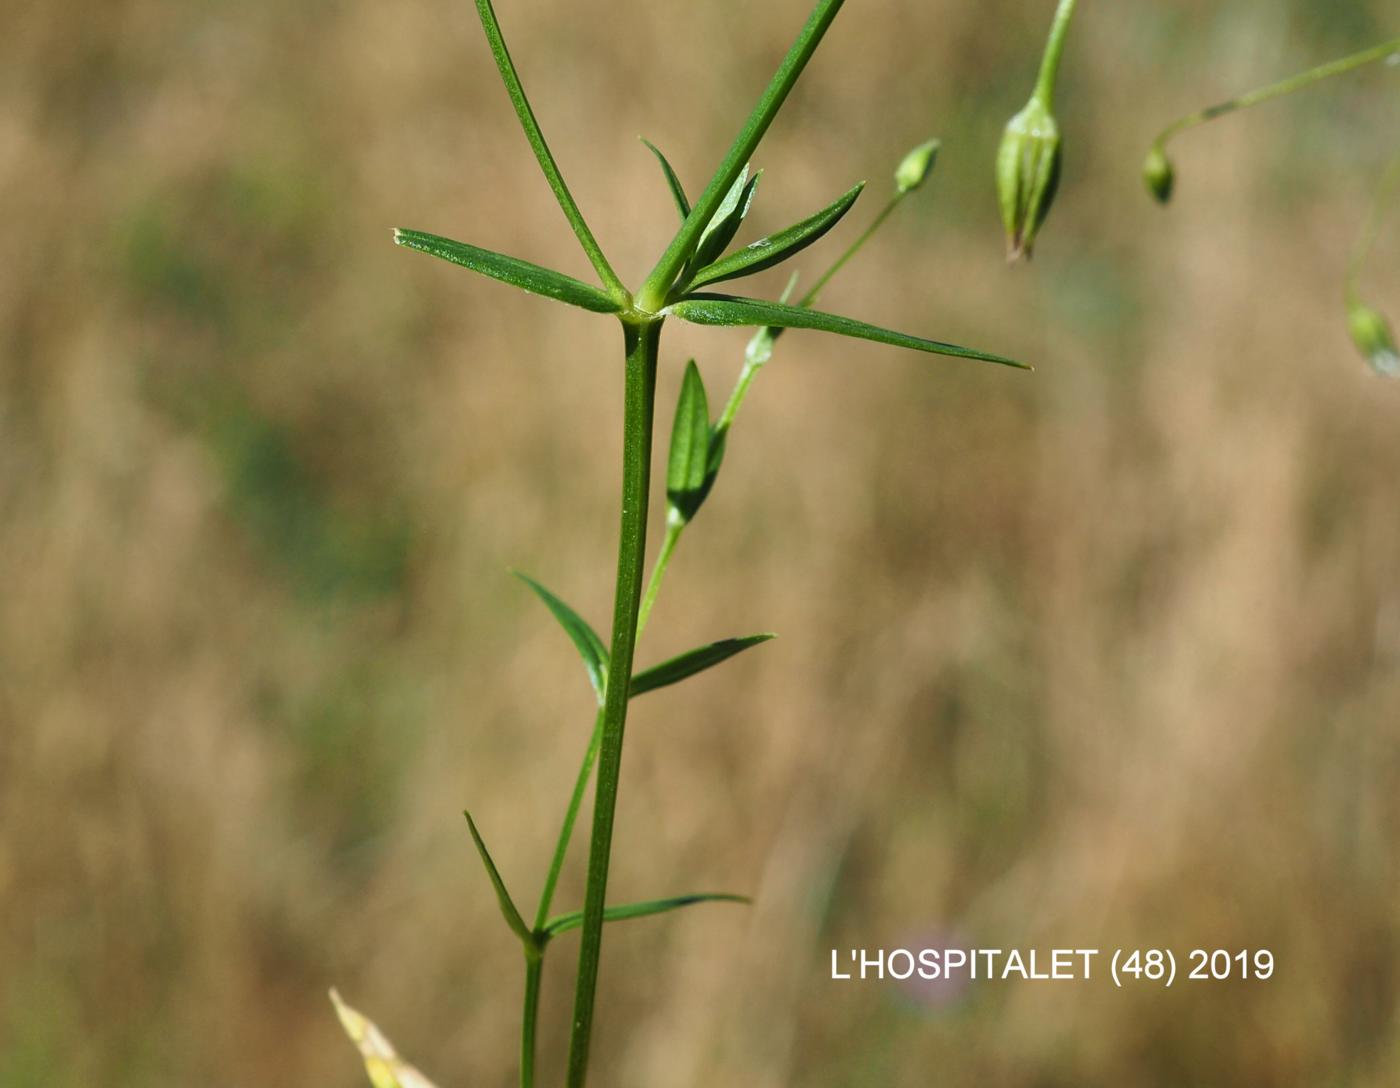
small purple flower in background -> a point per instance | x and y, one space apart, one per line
940 992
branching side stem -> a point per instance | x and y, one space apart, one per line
1281 88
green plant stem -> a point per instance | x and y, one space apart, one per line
511 79
534 968
810 298
642 341
1054 49
566 830
652 294
675 526
1281 88
1370 232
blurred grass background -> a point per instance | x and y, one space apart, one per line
1101 655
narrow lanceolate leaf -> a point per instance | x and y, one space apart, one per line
564 922
706 309
512 270
672 181
688 465
590 647
776 248
382 1062
512 916
727 221
691 662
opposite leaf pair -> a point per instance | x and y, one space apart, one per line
595 654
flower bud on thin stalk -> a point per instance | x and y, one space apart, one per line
1159 175
1370 331
1028 160
1373 337
916 166
1028 175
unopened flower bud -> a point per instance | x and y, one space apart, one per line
1157 172
916 166
1373 338
1028 173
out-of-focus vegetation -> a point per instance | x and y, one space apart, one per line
1104 655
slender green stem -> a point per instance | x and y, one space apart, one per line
760 347
1054 49
506 66
556 866
642 342
1380 205
566 830
675 526
652 294
1281 88
534 968
810 298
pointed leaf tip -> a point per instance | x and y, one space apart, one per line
508 909
673 182
533 278
727 219
694 661
731 310
585 639
776 248
574 919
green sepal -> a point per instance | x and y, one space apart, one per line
508 909
691 662
512 270
729 310
688 463
673 182
776 248
562 923
590 647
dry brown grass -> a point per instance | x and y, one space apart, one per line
1102 655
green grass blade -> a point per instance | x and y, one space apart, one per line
672 180
543 155
564 922
776 248
706 309
590 647
652 294
512 916
688 463
512 270
691 662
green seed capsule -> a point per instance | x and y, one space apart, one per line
1028 173
1158 173
1374 339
